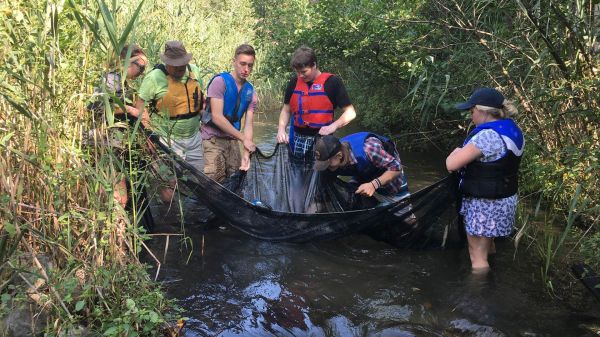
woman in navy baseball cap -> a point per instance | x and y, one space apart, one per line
488 165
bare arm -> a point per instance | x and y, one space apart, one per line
370 187
216 107
249 125
388 176
460 157
284 119
140 107
248 134
349 113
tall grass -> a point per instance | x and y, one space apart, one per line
65 245
63 239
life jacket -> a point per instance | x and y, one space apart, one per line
235 104
119 114
121 91
364 170
310 106
496 179
182 100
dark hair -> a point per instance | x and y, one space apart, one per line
135 51
303 57
245 49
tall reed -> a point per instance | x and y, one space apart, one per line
65 244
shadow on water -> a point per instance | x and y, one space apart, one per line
234 285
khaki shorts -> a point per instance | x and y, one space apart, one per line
222 157
188 149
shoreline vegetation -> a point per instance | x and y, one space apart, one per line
70 252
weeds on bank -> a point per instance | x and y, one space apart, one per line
65 246
558 238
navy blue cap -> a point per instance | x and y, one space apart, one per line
483 96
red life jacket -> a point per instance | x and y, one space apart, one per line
310 106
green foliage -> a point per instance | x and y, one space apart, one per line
394 82
112 301
210 30
57 203
129 307
406 64
589 249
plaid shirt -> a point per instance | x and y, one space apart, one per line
303 146
381 159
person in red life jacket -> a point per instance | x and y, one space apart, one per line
488 165
230 97
371 159
310 100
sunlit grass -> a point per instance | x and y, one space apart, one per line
64 241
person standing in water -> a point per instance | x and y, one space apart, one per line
488 165
230 97
114 85
174 95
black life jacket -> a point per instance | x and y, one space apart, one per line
496 179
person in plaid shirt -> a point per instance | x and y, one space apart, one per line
371 159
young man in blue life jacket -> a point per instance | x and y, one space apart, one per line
371 159
230 97
173 90
310 100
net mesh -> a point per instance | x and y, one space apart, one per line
282 198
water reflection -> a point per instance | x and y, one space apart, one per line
354 287
234 285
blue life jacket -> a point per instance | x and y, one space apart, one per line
496 179
364 170
235 104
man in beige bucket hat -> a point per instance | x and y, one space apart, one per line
175 54
173 91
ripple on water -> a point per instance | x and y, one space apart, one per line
354 286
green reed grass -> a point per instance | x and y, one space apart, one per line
56 200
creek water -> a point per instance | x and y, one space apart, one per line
230 284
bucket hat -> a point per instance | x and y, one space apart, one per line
175 54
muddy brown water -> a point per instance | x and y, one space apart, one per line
230 284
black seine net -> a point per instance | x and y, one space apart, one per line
284 199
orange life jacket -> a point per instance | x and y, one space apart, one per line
310 106
182 100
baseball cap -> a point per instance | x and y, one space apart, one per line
325 148
483 96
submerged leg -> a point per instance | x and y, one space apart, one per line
167 192
120 192
479 247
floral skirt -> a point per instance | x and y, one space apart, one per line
489 217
